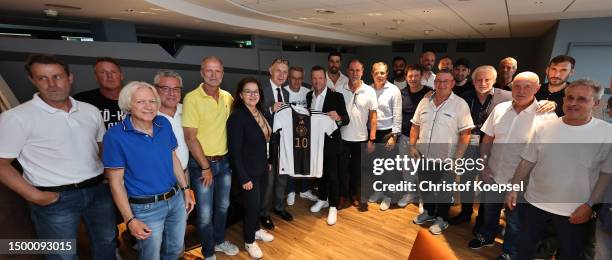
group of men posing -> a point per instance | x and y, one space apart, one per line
51 136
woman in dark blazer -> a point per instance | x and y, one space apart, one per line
249 133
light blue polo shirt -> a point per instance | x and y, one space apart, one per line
147 160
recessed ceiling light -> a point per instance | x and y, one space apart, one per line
324 11
391 28
145 12
427 32
305 18
487 24
427 11
128 10
295 37
375 14
398 21
59 6
538 2
336 24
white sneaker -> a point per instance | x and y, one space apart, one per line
263 236
332 216
375 197
403 202
227 248
253 250
438 226
385 204
309 196
291 198
422 218
319 205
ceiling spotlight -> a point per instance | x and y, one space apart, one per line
50 12
427 11
539 2
391 28
427 32
324 11
398 21
374 14
295 37
487 24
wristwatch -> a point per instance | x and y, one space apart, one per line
186 188
589 203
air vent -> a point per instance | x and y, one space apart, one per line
402 47
436 47
471 46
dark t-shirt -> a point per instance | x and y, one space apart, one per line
458 90
557 97
109 109
478 110
410 101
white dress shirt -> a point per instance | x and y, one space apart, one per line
389 112
182 152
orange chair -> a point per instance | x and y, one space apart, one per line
427 247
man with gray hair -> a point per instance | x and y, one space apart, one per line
563 192
506 131
507 68
169 85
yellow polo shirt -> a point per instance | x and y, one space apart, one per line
203 112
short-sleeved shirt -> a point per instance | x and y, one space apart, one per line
182 152
410 101
568 161
147 160
297 98
389 112
342 80
544 94
53 146
468 86
358 106
511 132
109 109
441 125
203 112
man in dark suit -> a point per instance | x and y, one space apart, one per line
274 97
331 103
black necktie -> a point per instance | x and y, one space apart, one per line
279 95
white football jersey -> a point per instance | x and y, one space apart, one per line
302 138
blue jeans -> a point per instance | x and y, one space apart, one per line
61 219
212 203
167 219
490 208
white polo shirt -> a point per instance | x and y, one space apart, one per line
182 152
389 112
342 80
441 125
568 160
511 132
54 147
358 106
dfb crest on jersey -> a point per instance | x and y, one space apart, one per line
301 128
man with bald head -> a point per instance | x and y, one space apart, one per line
205 114
506 131
428 59
507 68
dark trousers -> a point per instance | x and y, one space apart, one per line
490 212
274 193
329 183
437 203
252 205
350 175
571 237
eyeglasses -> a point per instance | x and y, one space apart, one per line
251 93
166 89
